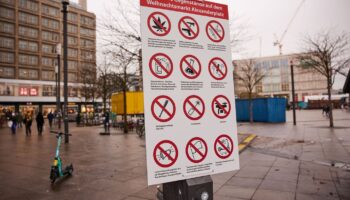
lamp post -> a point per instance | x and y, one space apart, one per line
65 4
293 92
58 83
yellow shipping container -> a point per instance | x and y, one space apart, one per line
134 103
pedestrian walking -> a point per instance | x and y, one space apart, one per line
28 123
78 119
40 122
50 117
14 123
20 120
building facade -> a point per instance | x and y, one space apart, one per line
29 33
277 82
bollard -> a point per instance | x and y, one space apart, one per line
200 188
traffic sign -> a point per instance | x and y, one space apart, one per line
188 27
161 65
196 150
163 108
159 24
190 66
223 146
221 106
194 107
215 31
217 68
165 153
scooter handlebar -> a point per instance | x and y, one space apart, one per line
60 133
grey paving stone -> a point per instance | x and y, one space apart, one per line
316 187
235 192
300 196
245 182
284 186
253 172
262 194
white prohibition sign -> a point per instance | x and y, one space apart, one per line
221 106
165 153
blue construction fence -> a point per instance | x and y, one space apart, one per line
270 110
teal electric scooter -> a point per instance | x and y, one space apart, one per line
56 168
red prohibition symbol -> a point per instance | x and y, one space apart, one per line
190 66
221 106
217 68
161 65
223 146
194 107
159 24
215 31
196 150
165 153
188 27
163 108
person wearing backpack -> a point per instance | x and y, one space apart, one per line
40 122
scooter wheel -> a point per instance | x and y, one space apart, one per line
70 169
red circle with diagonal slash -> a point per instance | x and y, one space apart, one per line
164 153
163 31
169 114
216 104
216 71
226 150
213 34
194 107
192 34
195 149
154 63
186 65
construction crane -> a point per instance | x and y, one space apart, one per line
278 42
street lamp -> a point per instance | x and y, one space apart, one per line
58 83
293 92
65 4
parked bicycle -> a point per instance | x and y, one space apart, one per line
140 128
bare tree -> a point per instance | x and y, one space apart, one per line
88 88
105 82
249 75
328 55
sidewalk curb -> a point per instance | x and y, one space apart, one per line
247 141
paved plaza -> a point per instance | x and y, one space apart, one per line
308 161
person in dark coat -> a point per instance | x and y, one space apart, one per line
40 122
14 123
50 117
28 123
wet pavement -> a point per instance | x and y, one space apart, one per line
284 162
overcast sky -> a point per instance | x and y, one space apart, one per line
264 18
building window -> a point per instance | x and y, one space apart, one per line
6 90
87 43
259 88
48 75
28 32
72 17
7 13
87 32
88 66
28 91
28 74
28 18
48 62
8 43
27 4
46 48
72 65
285 87
49 10
50 23
87 55
7 28
6 57
72 40
72 77
72 92
11 2
72 53
72 28
7 72
27 45
28 59
49 91
87 21
50 36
